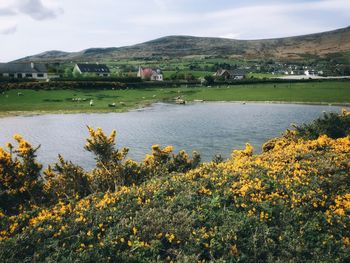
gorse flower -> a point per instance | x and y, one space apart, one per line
289 203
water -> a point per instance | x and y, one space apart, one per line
209 128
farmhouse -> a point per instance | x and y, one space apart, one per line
99 70
151 74
236 74
310 72
24 70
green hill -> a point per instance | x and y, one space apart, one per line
317 45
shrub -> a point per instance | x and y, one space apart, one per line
20 180
290 203
66 181
331 124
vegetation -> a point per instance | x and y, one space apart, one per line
332 125
78 100
290 203
290 48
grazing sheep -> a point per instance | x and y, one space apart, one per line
91 103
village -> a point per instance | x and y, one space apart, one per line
221 71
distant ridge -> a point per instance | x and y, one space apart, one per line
289 48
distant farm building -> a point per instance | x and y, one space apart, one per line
94 70
151 74
311 72
226 74
24 70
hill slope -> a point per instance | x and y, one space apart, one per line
320 44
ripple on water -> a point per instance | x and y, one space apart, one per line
209 128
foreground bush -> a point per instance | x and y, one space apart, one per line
289 204
331 124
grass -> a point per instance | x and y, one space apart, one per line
62 100
263 75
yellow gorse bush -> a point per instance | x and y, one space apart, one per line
289 203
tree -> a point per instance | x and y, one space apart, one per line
209 79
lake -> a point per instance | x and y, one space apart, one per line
209 128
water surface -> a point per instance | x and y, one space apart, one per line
209 128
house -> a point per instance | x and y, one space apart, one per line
226 74
99 70
310 72
24 70
151 74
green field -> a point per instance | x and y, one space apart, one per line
65 100
263 75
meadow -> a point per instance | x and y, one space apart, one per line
70 100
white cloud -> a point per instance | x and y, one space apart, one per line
37 10
8 30
250 21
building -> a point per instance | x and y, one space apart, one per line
311 72
24 70
226 74
93 70
151 74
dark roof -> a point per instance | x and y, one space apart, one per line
22 68
95 68
234 72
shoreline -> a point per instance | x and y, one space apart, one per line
8 114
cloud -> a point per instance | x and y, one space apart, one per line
36 10
13 12
250 21
8 27
9 30
6 12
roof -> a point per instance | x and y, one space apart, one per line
235 72
22 68
95 68
148 72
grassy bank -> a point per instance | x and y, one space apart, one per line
67 100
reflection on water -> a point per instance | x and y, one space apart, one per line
209 128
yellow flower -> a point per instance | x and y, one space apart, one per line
233 250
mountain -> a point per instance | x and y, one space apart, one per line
290 48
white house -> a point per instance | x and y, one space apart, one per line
99 70
311 72
151 74
24 70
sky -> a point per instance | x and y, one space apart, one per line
29 27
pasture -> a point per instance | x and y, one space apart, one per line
69 100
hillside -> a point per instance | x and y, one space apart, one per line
319 45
